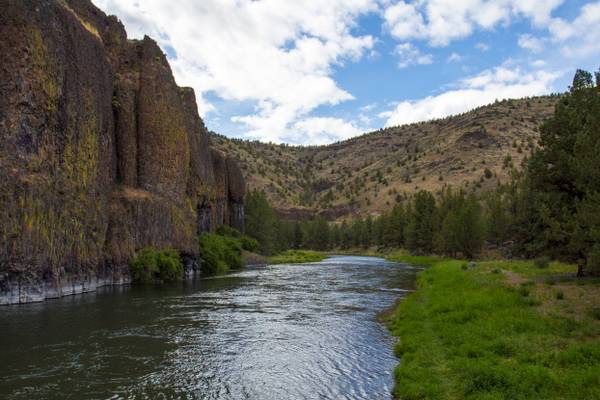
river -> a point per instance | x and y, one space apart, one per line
276 332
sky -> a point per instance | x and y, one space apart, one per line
319 71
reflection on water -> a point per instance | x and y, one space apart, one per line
276 332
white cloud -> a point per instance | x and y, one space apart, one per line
323 130
579 38
454 57
368 107
531 43
482 47
278 54
404 21
538 63
498 83
410 55
442 21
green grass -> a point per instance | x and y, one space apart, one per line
402 256
356 251
531 269
471 334
297 257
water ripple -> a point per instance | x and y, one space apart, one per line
277 332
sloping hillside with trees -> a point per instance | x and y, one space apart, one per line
368 174
549 208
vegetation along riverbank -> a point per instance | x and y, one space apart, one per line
297 256
498 330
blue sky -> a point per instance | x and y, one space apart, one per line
314 72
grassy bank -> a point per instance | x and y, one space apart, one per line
297 257
498 330
402 256
249 258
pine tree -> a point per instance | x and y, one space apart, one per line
368 234
563 176
496 216
396 226
321 234
261 221
421 228
298 235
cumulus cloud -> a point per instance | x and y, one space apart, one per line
281 56
490 85
442 21
278 54
323 130
409 55
482 47
531 43
580 37
404 21
454 57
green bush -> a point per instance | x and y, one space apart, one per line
153 265
542 262
593 264
220 253
248 243
225 230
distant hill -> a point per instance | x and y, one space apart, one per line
367 174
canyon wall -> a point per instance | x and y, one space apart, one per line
101 153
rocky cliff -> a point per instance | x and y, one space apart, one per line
101 153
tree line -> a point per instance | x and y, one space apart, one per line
551 208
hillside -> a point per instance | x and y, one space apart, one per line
367 174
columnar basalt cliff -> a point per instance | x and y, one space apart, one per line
101 153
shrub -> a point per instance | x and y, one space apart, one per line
523 290
225 230
169 265
595 313
560 295
220 253
593 264
542 262
488 173
248 243
153 265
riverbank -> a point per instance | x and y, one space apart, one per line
297 257
498 329
308 256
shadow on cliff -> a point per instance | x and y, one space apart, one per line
101 153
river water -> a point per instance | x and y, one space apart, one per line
276 332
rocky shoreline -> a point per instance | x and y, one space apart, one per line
21 288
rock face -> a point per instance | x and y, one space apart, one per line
101 153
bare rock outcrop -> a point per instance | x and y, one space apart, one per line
101 153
